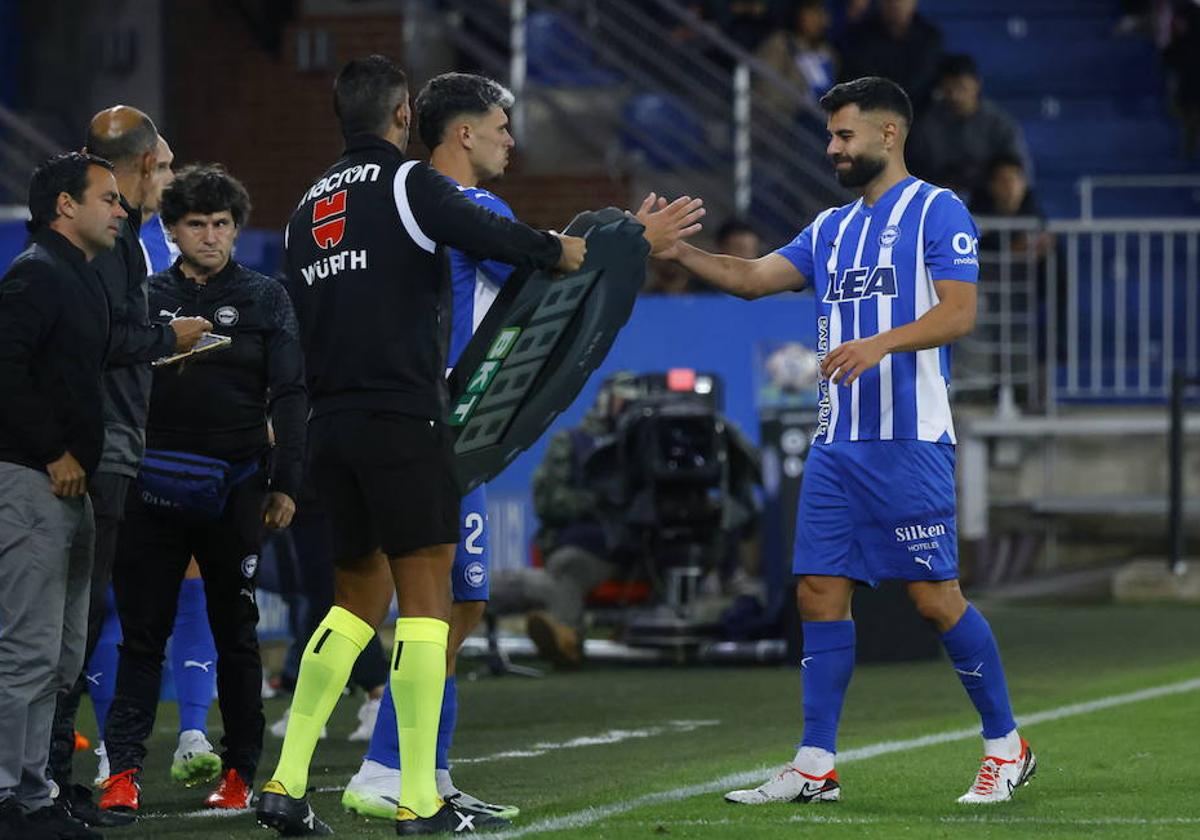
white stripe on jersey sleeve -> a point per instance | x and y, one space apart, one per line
835 316
886 414
405 210
862 240
485 295
933 399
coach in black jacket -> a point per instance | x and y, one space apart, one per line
128 138
216 406
54 335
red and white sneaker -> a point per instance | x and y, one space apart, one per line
999 778
232 794
790 785
121 792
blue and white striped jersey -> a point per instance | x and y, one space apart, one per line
475 283
872 269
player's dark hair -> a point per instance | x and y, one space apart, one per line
204 188
366 93
870 93
126 147
957 64
733 226
66 173
451 94
1002 160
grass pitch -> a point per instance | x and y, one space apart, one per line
638 752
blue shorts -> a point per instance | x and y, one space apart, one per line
878 510
473 558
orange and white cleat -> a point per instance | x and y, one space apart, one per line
999 778
232 794
121 792
790 785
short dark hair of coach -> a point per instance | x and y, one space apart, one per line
54 334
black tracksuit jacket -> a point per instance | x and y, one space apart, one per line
217 403
368 272
54 336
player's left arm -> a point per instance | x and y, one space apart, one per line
951 253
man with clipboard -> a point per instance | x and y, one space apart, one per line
209 482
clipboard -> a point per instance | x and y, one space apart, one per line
207 343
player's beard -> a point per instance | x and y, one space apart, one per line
863 170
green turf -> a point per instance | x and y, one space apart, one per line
1135 762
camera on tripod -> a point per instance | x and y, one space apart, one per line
675 489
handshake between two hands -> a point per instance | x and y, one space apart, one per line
667 224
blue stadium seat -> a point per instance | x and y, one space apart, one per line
664 129
558 57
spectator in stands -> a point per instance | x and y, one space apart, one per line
735 236
802 55
1007 193
960 133
666 282
1182 57
746 22
897 43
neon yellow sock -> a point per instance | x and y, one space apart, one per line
324 670
417 681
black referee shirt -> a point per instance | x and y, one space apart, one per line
370 278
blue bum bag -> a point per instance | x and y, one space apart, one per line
197 485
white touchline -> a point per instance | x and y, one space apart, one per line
613 736
589 816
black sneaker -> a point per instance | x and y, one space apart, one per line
58 820
290 816
447 820
78 799
15 825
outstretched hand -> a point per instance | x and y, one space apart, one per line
668 224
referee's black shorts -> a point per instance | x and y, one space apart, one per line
386 480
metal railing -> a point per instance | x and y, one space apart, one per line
1090 184
22 147
1083 311
746 156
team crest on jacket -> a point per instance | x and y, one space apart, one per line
329 219
226 316
889 236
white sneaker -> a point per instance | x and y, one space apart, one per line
374 791
195 760
469 804
998 778
367 713
102 768
790 785
279 727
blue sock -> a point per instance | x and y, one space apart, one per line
193 657
385 740
825 671
101 671
447 723
972 649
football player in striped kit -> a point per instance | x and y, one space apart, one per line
894 277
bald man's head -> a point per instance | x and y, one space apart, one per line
122 135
